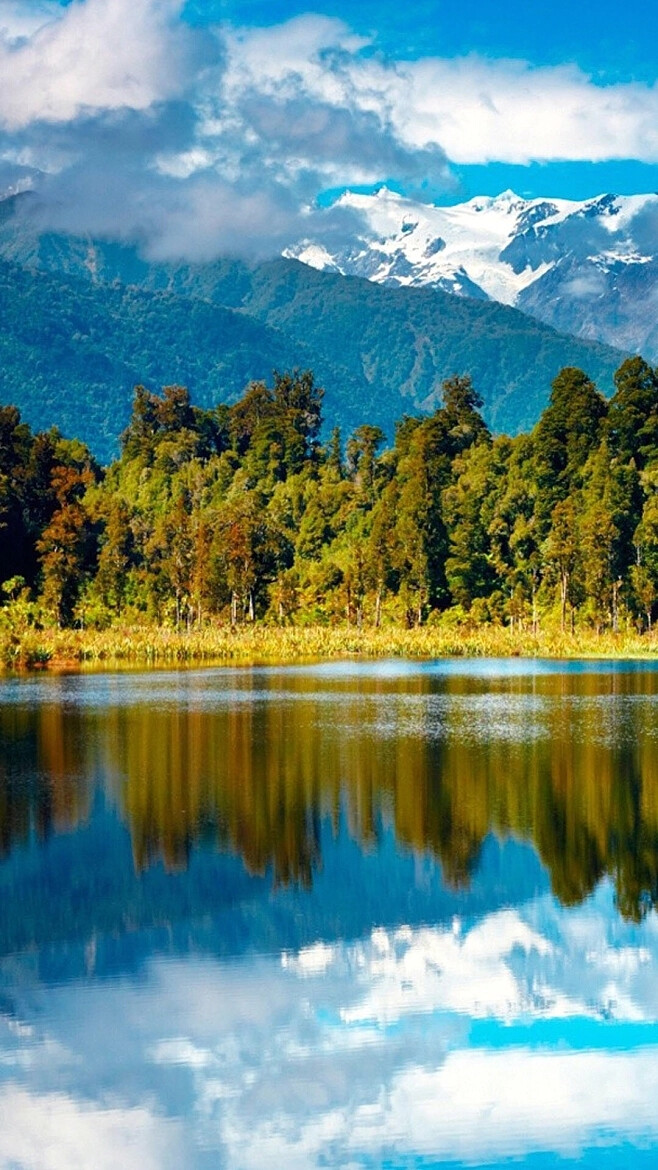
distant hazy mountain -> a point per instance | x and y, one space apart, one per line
82 321
586 268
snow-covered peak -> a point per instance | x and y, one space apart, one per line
508 201
316 256
494 247
620 211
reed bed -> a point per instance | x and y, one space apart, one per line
253 644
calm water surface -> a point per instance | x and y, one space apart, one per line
357 915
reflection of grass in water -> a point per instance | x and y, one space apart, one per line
257 643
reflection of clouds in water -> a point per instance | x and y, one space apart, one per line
340 1054
478 1106
51 1131
372 1061
503 968
432 970
485 1104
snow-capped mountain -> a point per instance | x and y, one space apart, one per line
587 268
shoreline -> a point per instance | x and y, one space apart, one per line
144 646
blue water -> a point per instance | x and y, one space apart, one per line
347 915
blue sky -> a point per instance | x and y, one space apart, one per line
613 42
196 126
614 39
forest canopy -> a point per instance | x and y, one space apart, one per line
241 513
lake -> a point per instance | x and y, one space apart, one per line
379 914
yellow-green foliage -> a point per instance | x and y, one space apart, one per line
261 643
240 515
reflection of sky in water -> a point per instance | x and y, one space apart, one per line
467 1027
490 707
237 684
532 1030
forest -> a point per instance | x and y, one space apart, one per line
245 514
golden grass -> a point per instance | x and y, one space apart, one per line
247 644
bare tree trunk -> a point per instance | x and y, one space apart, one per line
534 609
564 585
378 609
234 608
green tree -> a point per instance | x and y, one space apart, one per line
644 571
567 432
633 413
116 556
598 535
470 571
362 449
562 554
383 553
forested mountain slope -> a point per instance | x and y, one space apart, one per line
82 322
72 352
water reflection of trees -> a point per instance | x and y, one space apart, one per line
569 764
44 786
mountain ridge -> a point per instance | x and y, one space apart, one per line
589 267
83 321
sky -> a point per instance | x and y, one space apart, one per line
198 127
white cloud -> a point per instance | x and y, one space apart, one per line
507 111
91 55
588 284
308 48
17 20
240 130
473 109
50 1131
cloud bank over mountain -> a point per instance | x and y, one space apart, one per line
197 139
